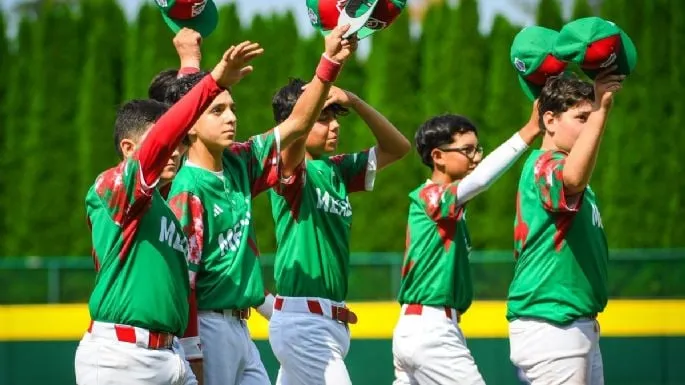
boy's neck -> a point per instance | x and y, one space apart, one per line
440 177
202 157
548 144
309 155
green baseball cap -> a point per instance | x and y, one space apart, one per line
199 15
594 44
531 55
364 16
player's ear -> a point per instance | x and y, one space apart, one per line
549 119
128 147
438 157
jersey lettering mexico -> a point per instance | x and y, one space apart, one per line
215 211
436 270
559 245
313 218
139 251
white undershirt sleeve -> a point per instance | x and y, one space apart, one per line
490 169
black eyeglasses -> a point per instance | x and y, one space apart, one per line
468 151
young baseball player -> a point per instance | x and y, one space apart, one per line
560 277
436 289
139 302
212 197
308 330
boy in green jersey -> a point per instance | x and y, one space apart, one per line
212 198
308 330
560 277
436 289
139 302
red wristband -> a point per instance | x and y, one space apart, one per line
187 71
328 70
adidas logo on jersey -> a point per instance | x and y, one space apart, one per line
217 210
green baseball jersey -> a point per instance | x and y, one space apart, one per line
313 218
139 252
560 247
436 270
215 210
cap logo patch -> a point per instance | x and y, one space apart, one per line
520 65
198 8
609 61
313 18
341 5
375 23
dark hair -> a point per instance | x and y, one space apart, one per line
563 92
134 118
439 131
284 101
181 86
160 83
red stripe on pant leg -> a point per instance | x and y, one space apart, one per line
414 309
278 303
125 333
314 307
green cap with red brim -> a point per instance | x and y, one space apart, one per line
365 17
595 44
531 55
199 15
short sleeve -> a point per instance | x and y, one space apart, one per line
123 191
358 169
549 183
440 201
262 154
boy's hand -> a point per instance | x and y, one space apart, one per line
606 85
339 96
337 48
534 120
233 65
187 43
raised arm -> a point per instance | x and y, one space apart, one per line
187 43
294 130
391 145
581 160
162 140
498 161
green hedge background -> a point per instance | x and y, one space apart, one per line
68 68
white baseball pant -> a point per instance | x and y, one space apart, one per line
549 354
190 378
229 354
430 348
101 359
311 348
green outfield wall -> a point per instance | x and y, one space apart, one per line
643 342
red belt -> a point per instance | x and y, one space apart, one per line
417 309
338 313
241 314
156 340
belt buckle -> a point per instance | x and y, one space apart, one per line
154 340
338 310
242 314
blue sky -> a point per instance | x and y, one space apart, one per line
516 10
